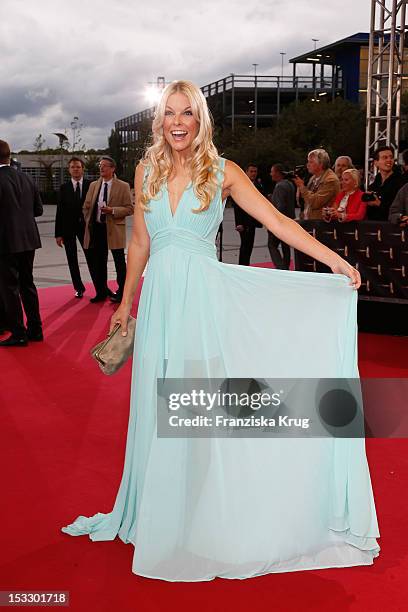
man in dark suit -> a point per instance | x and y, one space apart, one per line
244 223
19 238
387 183
70 223
284 199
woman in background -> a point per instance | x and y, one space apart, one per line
348 205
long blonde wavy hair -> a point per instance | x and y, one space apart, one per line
204 160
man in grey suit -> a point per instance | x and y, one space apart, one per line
20 203
284 199
399 208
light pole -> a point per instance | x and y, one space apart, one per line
315 40
255 99
76 127
62 138
283 55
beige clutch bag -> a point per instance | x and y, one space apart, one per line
116 349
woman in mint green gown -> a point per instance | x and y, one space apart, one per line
198 508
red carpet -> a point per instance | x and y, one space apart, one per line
63 431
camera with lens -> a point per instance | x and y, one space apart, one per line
370 196
299 172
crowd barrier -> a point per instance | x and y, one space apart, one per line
378 249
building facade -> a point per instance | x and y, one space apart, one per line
338 69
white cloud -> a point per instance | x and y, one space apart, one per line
94 59
38 94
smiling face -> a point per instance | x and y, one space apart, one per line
106 169
348 183
179 125
385 162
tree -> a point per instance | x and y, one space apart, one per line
338 127
46 184
92 164
115 151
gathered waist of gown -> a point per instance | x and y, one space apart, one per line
182 239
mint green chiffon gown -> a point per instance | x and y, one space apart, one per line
198 508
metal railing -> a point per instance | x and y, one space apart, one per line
273 82
242 81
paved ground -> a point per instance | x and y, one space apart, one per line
51 269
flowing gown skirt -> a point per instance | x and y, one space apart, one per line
197 508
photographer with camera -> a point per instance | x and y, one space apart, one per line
322 187
387 183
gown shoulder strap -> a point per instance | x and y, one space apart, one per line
146 174
220 172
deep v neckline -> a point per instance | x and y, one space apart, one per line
186 188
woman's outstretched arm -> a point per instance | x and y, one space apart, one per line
238 185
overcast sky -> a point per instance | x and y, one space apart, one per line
95 58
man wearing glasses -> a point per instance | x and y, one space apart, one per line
107 204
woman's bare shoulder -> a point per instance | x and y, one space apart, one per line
140 172
232 173
230 166
140 169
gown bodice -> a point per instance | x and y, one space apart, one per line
186 230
